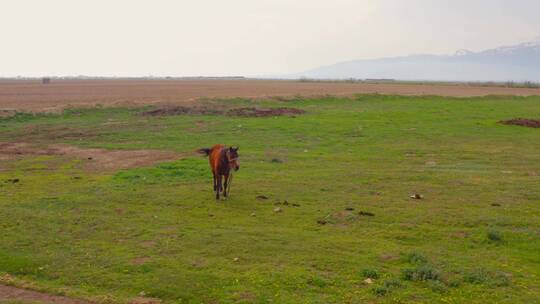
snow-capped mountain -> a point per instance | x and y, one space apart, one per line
509 63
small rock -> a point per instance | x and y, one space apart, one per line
496 205
262 197
296 205
13 180
417 196
349 209
321 222
278 210
252 214
90 158
236 259
368 281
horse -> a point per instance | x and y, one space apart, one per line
222 161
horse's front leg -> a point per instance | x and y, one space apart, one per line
226 183
218 186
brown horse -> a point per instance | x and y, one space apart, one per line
222 160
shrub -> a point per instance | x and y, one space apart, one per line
416 258
453 283
370 273
499 280
481 276
423 272
477 276
494 235
392 283
438 286
407 274
380 291
426 272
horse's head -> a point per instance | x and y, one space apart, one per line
232 157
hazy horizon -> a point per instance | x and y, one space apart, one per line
248 38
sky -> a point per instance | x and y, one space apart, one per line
244 37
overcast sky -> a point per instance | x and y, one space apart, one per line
244 37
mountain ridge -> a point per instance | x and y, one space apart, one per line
520 62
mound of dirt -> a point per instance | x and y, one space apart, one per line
524 122
241 112
181 110
94 159
256 112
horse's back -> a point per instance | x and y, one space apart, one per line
215 153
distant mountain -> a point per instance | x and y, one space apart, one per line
510 63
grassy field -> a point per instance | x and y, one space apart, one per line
158 231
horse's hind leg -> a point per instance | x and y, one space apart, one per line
215 181
225 184
218 186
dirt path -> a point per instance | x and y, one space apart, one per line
9 293
25 95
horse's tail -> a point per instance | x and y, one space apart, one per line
204 151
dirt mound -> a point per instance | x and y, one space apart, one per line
256 112
94 159
181 110
241 112
9 293
524 122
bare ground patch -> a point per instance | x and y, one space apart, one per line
241 112
524 122
10 293
93 159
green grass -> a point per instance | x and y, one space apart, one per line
81 236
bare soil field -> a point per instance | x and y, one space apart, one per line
32 96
